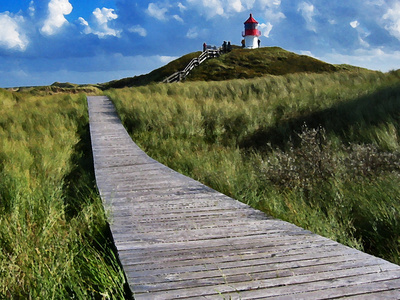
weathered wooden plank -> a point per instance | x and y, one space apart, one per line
205 268
382 290
286 251
237 276
178 239
274 287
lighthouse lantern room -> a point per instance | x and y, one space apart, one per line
251 33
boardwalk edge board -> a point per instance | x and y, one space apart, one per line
177 238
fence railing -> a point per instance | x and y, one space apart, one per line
181 75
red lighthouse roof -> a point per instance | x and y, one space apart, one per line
251 20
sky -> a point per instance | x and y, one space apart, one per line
95 41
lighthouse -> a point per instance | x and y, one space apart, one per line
251 33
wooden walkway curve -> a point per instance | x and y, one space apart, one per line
177 238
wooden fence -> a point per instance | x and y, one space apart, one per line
181 75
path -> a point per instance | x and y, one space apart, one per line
177 238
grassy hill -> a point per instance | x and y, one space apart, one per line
251 63
317 149
157 75
239 63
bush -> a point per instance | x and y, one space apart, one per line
316 160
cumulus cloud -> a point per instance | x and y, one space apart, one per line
100 23
57 9
307 10
139 30
266 29
11 36
236 6
392 20
208 8
355 24
271 9
157 11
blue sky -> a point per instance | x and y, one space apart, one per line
92 41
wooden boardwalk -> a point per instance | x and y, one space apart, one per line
177 238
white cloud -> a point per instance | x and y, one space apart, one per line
227 8
139 30
308 53
266 29
166 59
236 6
274 15
209 8
392 20
374 59
362 33
178 18
11 36
248 4
192 33
271 9
55 19
160 11
157 12
182 8
308 12
376 2
104 15
83 22
363 43
269 3
355 24
32 8
100 25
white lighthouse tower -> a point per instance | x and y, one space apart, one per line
251 33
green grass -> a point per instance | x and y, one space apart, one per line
239 63
157 75
54 240
338 175
252 63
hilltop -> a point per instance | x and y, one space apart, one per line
239 63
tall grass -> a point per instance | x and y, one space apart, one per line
53 232
245 137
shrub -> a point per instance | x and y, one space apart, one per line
316 160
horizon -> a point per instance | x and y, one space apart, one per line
47 41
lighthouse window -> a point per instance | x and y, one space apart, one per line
250 26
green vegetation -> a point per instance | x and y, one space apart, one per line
157 75
240 63
251 63
54 239
318 150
